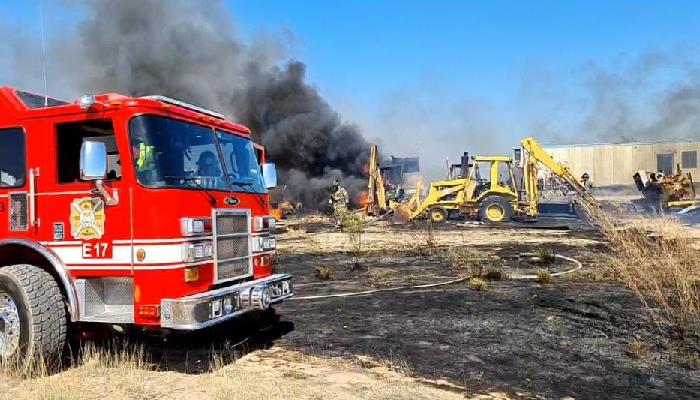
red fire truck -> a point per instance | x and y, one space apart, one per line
128 211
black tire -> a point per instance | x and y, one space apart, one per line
491 203
437 215
42 314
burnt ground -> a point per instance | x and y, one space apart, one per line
568 338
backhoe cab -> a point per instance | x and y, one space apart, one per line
484 188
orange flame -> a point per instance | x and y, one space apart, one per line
362 198
277 213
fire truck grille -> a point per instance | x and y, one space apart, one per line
232 223
235 268
235 247
232 245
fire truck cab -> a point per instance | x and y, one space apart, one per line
142 211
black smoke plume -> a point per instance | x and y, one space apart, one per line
671 112
189 50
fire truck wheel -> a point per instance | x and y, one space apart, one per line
32 317
495 209
437 214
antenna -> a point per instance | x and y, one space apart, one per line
43 53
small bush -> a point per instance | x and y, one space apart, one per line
323 273
494 274
350 222
473 261
543 275
477 283
354 225
546 256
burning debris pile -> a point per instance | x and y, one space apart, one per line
189 50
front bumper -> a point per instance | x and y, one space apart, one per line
215 306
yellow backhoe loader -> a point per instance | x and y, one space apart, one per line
492 189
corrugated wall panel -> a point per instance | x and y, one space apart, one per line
615 164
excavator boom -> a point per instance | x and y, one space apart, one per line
536 154
376 193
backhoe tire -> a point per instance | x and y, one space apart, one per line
437 215
32 319
495 209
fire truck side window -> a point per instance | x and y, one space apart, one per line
69 139
13 161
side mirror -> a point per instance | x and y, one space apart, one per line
93 160
269 171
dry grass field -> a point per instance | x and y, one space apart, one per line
514 324
267 374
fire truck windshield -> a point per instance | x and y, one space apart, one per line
241 163
169 153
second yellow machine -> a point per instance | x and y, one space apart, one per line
490 188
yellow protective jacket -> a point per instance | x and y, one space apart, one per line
146 158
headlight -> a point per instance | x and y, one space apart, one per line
266 243
257 244
258 224
195 226
197 251
261 223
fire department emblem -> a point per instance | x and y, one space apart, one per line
87 218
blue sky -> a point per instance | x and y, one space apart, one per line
434 78
367 48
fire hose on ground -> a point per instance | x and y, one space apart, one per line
577 266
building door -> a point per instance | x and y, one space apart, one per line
664 163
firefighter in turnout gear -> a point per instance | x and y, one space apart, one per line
339 201
145 160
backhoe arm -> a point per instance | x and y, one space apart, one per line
536 154
376 193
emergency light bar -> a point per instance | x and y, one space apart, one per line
188 106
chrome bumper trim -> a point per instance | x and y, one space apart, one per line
215 306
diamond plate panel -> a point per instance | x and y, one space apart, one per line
19 212
94 297
100 293
119 291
